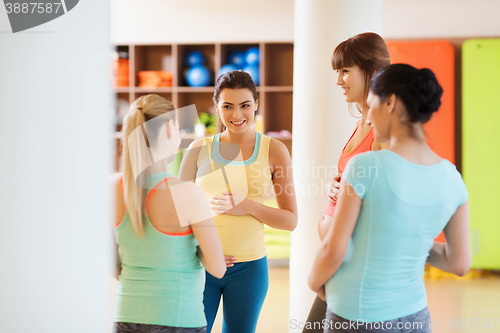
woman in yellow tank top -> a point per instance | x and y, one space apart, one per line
236 169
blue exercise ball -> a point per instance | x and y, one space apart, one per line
237 58
198 76
194 58
227 68
254 73
252 56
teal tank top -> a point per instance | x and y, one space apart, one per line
162 278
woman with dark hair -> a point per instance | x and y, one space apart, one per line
236 169
356 60
392 205
162 245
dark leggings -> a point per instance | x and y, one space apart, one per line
316 317
243 288
146 328
414 323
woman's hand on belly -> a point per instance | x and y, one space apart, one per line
231 204
230 260
331 189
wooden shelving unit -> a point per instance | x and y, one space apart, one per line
276 78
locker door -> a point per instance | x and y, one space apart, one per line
481 147
438 56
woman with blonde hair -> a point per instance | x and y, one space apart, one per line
160 288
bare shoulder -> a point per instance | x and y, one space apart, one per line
194 149
278 154
277 148
196 143
188 166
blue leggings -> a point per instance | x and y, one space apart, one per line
244 288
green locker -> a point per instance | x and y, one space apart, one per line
481 147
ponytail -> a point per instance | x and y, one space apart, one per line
142 110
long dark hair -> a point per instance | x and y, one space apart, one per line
232 80
368 51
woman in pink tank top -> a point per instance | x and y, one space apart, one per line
356 60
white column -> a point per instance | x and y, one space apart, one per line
321 123
56 116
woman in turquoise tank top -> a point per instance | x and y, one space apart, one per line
236 169
163 246
392 205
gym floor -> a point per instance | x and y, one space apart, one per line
474 302
476 299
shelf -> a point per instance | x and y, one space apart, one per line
226 49
279 64
278 111
127 90
167 95
153 58
275 92
152 89
202 101
121 68
277 89
195 89
208 51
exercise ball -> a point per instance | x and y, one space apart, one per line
194 58
198 76
252 56
254 73
227 68
237 58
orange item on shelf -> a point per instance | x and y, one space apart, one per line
122 82
121 72
165 75
166 79
155 79
146 74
